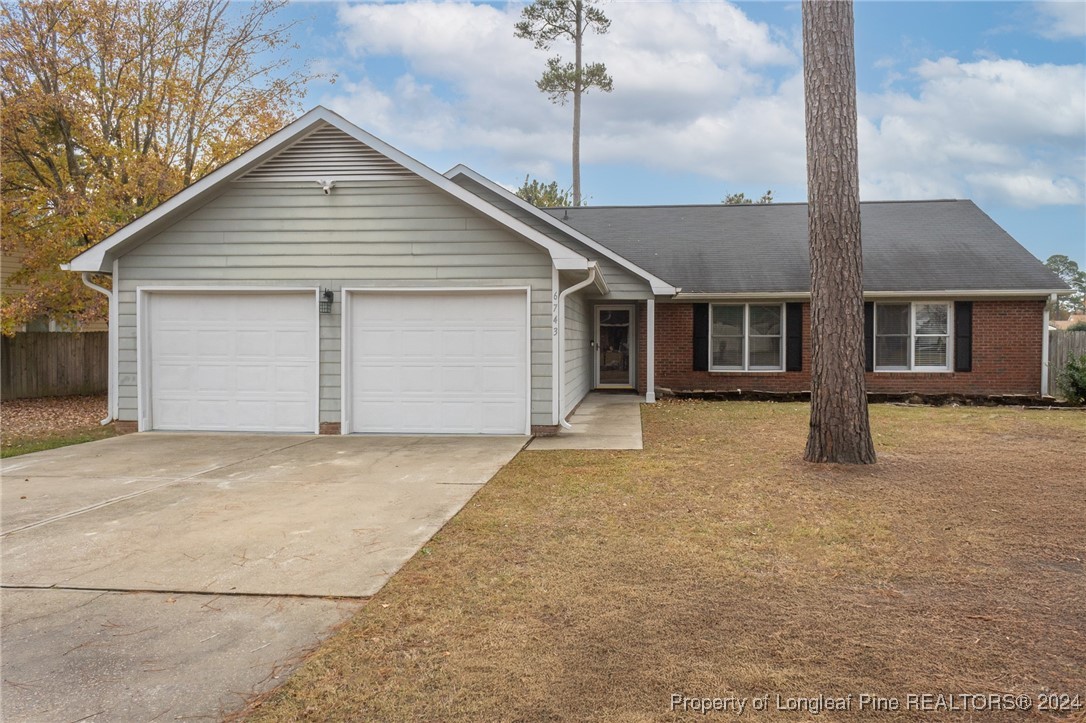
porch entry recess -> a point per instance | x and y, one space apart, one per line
615 360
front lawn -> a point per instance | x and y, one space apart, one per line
716 563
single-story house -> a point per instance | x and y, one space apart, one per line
326 281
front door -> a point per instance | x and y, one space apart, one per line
615 347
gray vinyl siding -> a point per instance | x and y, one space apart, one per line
394 233
577 365
623 284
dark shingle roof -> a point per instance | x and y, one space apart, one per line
907 246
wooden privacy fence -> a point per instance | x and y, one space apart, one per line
54 364
1062 345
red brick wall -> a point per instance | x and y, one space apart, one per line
1006 357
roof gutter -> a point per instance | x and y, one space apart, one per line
110 390
592 266
920 294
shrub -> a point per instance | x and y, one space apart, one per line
1077 326
1072 380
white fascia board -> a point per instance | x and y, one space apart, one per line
658 285
601 282
97 258
564 264
924 294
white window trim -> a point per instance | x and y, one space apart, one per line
912 336
746 368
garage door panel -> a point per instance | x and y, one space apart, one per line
255 379
414 379
497 416
500 380
233 361
460 417
294 344
255 344
294 380
423 363
460 379
460 343
213 379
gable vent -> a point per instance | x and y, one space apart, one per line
327 153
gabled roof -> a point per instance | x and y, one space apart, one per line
658 285
908 246
98 258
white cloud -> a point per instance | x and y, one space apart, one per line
701 88
990 129
1062 19
1027 189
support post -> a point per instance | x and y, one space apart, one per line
650 351
1044 346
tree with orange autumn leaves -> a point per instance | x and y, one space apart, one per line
109 107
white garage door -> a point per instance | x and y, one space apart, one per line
233 361
438 363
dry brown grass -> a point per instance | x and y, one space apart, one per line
593 585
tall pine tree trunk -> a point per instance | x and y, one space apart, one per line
577 89
840 430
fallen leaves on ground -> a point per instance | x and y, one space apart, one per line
50 416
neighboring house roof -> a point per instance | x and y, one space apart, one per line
1069 321
99 257
908 246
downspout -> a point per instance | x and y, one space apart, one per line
109 296
1052 300
562 338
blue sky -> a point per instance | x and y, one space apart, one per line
980 100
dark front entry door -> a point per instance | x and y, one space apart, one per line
614 346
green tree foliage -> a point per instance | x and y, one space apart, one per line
110 107
546 21
742 199
1072 380
544 195
1067 269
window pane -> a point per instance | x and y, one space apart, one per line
892 351
931 318
930 351
891 319
614 317
765 320
765 352
728 352
728 320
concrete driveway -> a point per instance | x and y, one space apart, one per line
174 575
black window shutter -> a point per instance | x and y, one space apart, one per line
793 344
963 336
869 336
701 337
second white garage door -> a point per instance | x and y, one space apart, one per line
437 362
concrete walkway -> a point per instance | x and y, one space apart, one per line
602 421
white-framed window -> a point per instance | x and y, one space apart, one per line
912 336
746 337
